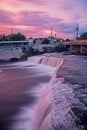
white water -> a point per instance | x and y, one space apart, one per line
54 108
50 61
53 111
26 112
62 118
35 59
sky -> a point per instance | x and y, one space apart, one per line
35 18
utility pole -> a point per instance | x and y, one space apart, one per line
77 31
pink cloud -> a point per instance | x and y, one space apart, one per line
34 23
36 17
35 2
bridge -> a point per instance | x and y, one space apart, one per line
78 46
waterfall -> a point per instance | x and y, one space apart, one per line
62 98
50 61
35 59
53 110
43 112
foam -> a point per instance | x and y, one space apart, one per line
53 111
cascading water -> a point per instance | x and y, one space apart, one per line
54 108
35 59
62 97
50 61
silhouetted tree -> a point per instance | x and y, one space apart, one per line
67 40
83 36
60 48
3 37
17 37
45 41
13 37
78 38
34 41
29 51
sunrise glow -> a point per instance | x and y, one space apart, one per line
35 18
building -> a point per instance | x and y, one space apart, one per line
12 49
77 46
30 41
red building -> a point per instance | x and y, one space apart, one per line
78 46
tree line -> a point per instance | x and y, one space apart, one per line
20 37
13 37
83 36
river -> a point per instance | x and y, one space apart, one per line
63 105
21 84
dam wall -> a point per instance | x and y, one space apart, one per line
53 111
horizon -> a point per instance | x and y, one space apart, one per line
36 18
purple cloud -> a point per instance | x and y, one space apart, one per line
76 17
67 7
5 17
41 19
37 19
44 22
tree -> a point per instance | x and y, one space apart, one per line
17 37
3 37
67 40
78 38
13 37
34 41
83 36
29 51
45 41
21 37
60 48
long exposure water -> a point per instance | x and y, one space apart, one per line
21 84
63 104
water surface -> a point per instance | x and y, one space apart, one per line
21 84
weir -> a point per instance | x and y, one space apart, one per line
50 61
53 110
